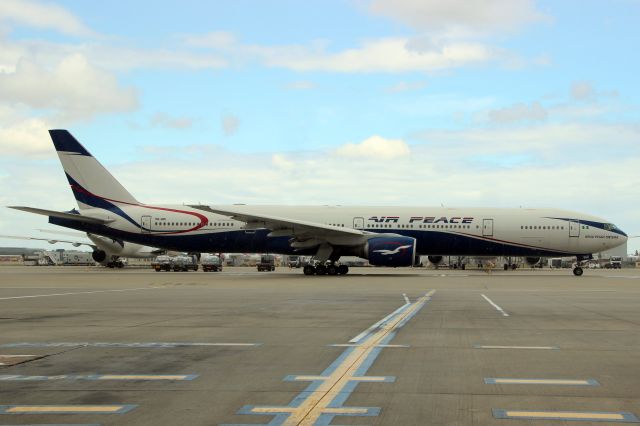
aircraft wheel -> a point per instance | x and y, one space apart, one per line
332 270
321 270
514 267
577 271
343 269
463 266
506 266
309 270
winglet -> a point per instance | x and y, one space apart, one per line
65 142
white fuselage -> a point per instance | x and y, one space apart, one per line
443 231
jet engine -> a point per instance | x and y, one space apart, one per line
435 259
532 260
390 251
99 255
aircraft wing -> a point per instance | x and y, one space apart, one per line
51 241
300 229
62 215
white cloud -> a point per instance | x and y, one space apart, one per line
44 16
375 147
26 138
282 162
72 88
407 86
460 18
581 90
230 124
380 55
162 119
519 112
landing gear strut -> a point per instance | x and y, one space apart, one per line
577 267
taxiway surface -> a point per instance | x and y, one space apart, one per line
380 346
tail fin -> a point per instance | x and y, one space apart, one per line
92 184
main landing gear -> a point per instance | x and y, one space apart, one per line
326 269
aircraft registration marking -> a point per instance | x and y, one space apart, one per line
619 417
323 399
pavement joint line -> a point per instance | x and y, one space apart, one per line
154 377
79 292
590 416
498 308
323 399
66 409
554 382
551 348
57 424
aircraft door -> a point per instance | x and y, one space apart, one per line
574 228
358 223
146 224
487 227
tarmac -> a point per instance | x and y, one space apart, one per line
89 346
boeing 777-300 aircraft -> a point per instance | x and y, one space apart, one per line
386 236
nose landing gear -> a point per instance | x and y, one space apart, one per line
577 267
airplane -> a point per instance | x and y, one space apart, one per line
106 251
386 236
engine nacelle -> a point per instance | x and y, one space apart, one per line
532 260
435 259
99 255
391 251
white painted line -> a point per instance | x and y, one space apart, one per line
16 356
517 347
378 324
119 344
406 299
498 308
80 292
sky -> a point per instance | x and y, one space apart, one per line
492 103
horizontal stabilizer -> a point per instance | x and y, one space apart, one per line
63 215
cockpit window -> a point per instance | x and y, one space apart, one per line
610 227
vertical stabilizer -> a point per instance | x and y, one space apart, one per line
92 184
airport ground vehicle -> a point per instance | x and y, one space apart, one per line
615 262
294 262
185 263
162 263
211 263
267 263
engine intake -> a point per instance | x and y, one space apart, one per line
391 251
532 260
99 255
